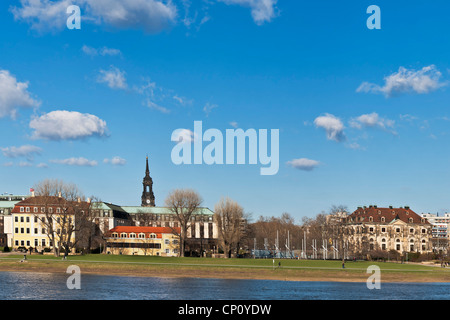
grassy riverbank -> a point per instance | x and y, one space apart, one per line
292 270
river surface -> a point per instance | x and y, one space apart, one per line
51 286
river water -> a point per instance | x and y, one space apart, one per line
51 286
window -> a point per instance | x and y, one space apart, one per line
132 235
370 219
36 242
123 235
21 219
28 230
411 230
21 230
371 229
28 219
114 235
27 209
383 219
43 242
58 210
22 242
22 209
16 242
141 236
383 229
166 241
16 219
42 209
424 231
16 230
35 209
35 230
397 230
35 219
410 220
153 236
43 230
50 210
28 243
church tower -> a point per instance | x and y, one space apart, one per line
148 198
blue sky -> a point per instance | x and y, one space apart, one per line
362 114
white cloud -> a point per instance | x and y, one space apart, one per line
13 95
304 164
149 15
104 51
262 10
116 161
183 136
333 127
42 165
371 120
76 162
27 151
114 78
406 81
67 125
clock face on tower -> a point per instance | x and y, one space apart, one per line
148 201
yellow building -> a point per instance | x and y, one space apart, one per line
40 223
151 241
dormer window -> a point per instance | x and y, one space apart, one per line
22 209
132 235
141 235
123 235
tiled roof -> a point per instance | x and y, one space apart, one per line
47 201
363 214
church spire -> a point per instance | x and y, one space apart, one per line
147 171
148 198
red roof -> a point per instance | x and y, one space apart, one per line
146 230
362 214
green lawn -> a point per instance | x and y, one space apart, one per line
243 263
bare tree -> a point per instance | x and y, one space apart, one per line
183 203
229 216
63 212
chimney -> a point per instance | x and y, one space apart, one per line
79 199
59 194
89 200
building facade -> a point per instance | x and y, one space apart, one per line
372 228
149 241
43 222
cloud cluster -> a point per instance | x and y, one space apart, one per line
303 164
114 78
406 81
262 10
13 95
152 16
371 120
27 151
115 161
81 162
104 51
149 15
67 125
332 125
